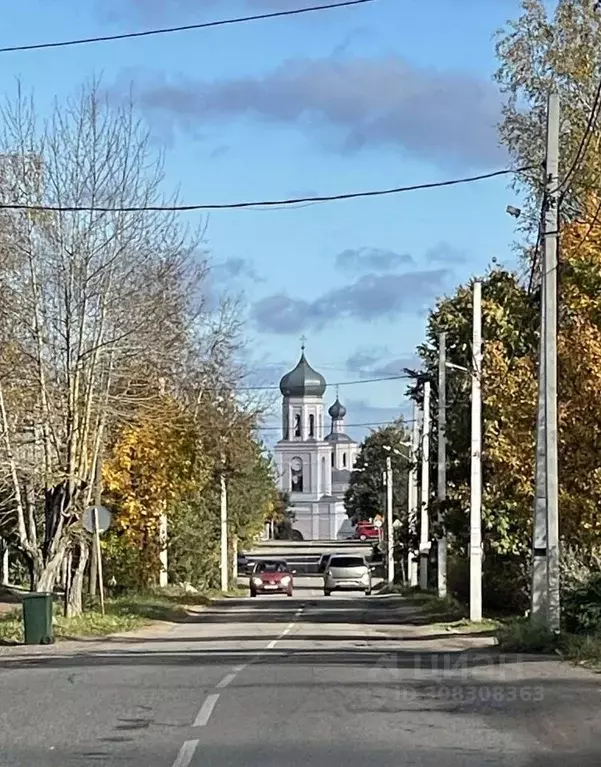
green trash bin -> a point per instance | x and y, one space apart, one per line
37 618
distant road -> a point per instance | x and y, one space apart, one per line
304 556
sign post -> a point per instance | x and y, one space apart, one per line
96 520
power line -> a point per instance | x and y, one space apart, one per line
346 425
337 383
260 203
184 28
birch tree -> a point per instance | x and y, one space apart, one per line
98 308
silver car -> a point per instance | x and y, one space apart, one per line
348 572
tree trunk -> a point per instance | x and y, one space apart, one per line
75 596
51 571
4 562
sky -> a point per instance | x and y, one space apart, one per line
385 94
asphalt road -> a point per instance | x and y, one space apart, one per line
290 682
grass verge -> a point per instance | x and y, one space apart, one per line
445 609
445 613
521 635
122 614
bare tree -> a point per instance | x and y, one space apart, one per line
97 308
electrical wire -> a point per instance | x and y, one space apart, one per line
183 28
346 425
257 203
337 383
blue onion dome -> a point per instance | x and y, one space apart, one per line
303 381
337 411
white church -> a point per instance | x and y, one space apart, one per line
313 466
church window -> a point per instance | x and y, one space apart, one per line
332 460
296 475
297 425
311 425
344 460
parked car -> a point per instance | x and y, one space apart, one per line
366 530
347 572
244 565
323 562
271 577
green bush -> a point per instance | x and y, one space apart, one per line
582 608
581 591
523 635
505 583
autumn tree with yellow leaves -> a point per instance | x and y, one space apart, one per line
170 462
541 51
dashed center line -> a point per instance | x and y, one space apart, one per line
186 753
206 710
202 718
226 680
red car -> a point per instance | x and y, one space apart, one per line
365 530
271 576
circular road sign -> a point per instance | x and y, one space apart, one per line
377 523
103 515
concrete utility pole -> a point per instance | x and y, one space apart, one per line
442 459
551 233
224 552
163 552
539 597
98 502
476 462
413 497
389 527
424 541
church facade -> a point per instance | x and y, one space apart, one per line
313 460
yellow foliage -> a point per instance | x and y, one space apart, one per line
155 462
510 395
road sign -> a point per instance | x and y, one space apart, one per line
104 518
397 523
377 523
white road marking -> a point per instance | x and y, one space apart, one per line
241 667
272 644
206 710
226 680
186 753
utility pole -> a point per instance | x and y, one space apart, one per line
442 460
224 552
163 548
424 541
539 597
549 326
413 497
389 527
476 462
98 502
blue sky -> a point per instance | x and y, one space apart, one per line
394 92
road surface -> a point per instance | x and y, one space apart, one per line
294 682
